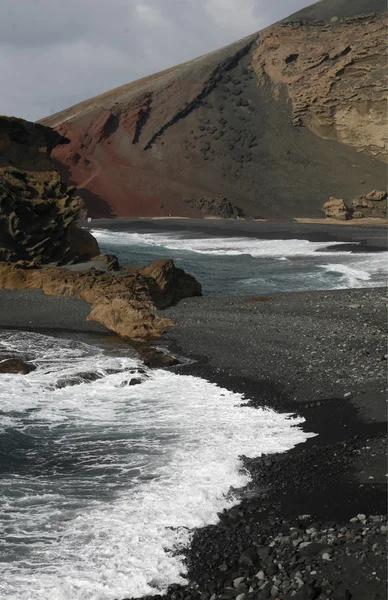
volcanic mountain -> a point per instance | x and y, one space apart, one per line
270 126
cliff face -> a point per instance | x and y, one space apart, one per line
38 209
335 76
274 124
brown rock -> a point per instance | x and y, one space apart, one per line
334 75
125 302
367 207
16 365
156 359
377 195
335 208
362 203
168 284
108 261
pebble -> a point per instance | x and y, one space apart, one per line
260 575
238 581
326 556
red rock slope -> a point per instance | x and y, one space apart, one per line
275 124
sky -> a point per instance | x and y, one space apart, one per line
56 53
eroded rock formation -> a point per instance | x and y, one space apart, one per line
335 76
335 208
38 210
276 123
372 205
124 302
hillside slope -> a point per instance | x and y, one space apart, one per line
273 124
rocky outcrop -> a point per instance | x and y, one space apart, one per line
124 301
216 207
334 74
371 205
38 210
16 365
335 208
168 284
276 123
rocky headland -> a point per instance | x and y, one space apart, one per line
41 245
276 123
38 209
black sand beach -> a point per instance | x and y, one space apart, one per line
35 310
310 524
296 533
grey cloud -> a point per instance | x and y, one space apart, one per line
54 54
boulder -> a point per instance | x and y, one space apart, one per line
83 245
372 205
109 262
335 208
377 195
16 365
361 203
169 284
155 359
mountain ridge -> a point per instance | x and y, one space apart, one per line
275 123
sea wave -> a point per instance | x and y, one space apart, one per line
229 246
104 479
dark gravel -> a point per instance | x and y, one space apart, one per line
311 524
312 345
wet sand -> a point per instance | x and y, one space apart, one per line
35 310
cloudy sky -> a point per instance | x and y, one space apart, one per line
55 53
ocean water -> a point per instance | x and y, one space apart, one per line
101 480
246 265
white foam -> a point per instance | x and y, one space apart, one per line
229 246
360 272
295 264
153 460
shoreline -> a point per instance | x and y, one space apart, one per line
365 238
326 477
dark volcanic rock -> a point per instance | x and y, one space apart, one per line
277 123
38 209
218 207
16 365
